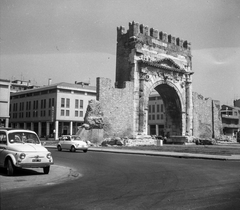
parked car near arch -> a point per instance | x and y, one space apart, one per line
20 148
72 143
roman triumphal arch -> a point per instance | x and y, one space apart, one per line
155 60
147 60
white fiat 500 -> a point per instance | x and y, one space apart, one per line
72 143
21 148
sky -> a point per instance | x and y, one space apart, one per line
75 40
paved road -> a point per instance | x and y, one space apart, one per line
123 181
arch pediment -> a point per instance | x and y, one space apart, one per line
167 62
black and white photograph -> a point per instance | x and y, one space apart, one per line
119 104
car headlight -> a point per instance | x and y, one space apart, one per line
22 155
49 156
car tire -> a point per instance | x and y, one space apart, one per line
59 148
10 167
73 149
46 170
85 150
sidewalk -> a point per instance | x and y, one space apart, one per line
166 154
35 177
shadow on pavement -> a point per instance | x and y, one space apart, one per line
21 172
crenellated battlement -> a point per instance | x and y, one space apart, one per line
141 32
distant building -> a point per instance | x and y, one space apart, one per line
156 115
51 110
236 103
4 102
19 85
230 120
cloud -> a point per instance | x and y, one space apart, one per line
217 73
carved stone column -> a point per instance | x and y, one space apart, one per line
189 106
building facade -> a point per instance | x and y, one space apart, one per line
230 120
156 115
4 102
51 110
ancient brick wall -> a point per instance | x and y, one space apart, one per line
202 116
206 117
117 106
217 121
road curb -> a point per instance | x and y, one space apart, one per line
169 154
165 154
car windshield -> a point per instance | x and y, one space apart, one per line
23 137
76 138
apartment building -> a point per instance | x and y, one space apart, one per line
156 115
230 120
4 102
51 110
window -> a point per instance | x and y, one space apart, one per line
149 108
153 108
76 103
3 138
158 117
153 117
149 117
49 102
68 103
62 112
81 113
67 112
158 108
76 113
81 103
62 102
161 107
161 116
52 101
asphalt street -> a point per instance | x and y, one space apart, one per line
106 180
62 173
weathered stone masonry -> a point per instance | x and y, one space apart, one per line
117 105
206 117
148 60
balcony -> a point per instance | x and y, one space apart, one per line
225 125
230 116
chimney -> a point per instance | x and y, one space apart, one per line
49 81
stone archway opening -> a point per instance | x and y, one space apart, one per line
164 112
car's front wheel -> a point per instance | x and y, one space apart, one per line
73 149
10 167
46 170
85 150
59 148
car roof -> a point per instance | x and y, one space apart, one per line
3 128
14 129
